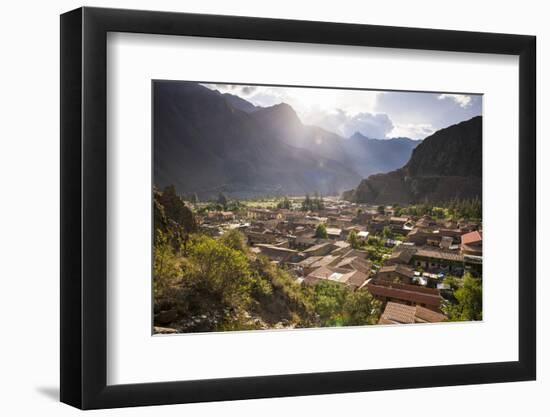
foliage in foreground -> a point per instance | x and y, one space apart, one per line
468 297
222 284
338 306
209 284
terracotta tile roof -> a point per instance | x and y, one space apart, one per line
402 255
281 249
398 268
343 262
353 262
433 253
403 292
396 313
399 219
341 244
472 237
410 287
340 275
356 278
309 261
318 246
426 315
320 273
324 261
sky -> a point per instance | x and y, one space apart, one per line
375 114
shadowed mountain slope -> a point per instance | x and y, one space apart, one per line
207 142
446 165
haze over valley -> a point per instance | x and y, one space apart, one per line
209 142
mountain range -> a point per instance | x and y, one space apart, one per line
206 142
446 165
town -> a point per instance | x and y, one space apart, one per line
405 259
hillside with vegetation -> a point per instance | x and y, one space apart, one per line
207 284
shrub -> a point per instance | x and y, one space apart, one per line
468 301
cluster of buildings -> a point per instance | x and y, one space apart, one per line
409 281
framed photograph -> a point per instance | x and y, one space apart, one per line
257 208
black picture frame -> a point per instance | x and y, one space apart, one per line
84 207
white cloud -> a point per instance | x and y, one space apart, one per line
413 131
376 126
332 121
375 114
309 103
372 125
462 100
240 90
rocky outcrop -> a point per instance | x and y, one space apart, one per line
446 165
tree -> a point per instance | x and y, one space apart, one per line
194 198
453 281
317 202
361 308
387 232
222 200
438 213
306 204
469 301
166 266
217 278
285 204
321 231
337 305
234 205
353 240
465 209
235 240
329 299
381 209
321 203
373 241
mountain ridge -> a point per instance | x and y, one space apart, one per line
208 142
446 165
